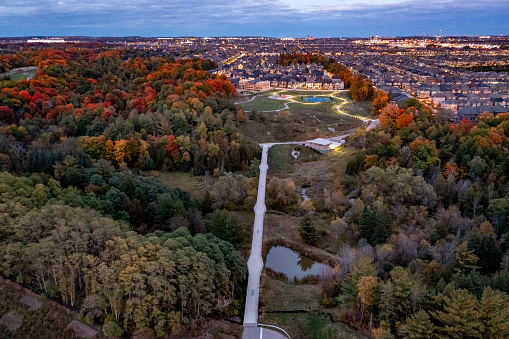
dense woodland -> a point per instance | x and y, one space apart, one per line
80 224
361 88
430 219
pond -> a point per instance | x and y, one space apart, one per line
294 265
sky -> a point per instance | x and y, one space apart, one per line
272 18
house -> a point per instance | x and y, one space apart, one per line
254 85
497 109
469 113
323 145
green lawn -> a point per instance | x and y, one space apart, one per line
263 103
24 73
280 159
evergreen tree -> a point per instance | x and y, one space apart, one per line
460 316
308 230
419 326
375 225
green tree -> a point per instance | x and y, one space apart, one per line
375 225
460 315
225 225
494 309
307 230
363 267
419 326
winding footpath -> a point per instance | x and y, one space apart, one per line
290 100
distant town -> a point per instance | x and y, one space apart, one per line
465 75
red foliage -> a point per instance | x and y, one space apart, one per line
465 125
172 146
404 119
7 115
25 95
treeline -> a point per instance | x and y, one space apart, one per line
428 256
361 88
16 59
153 113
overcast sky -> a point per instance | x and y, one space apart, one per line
276 18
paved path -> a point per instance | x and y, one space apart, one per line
255 262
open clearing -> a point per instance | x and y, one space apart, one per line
22 73
289 119
296 307
195 185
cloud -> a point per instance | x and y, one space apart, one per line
268 17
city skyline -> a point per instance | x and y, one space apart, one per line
277 18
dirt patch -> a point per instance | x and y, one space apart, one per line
32 303
82 330
12 321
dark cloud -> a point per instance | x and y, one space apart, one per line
249 17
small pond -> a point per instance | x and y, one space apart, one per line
284 260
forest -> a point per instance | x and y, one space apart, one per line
81 222
429 227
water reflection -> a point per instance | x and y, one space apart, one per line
284 260
305 263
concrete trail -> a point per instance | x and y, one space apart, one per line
255 262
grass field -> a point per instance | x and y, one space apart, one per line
310 326
23 73
302 121
263 103
195 185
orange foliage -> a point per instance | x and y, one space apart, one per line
404 119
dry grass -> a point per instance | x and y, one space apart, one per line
195 185
310 326
277 296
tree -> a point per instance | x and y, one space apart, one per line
281 193
419 326
498 209
230 191
488 252
460 316
7 115
307 230
375 225
307 206
380 101
494 314
363 267
226 226
466 259
367 286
